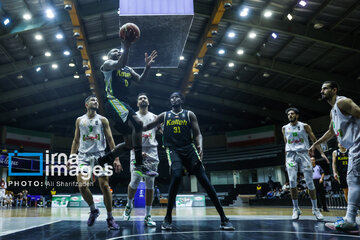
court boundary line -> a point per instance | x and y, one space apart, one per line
28 228
236 231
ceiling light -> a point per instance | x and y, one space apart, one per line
240 52
267 13
231 34
302 3
76 75
274 35
20 76
231 64
121 50
38 37
206 75
6 21
318 25
158 74
266 74
49 13
244 12
289 16
66 53
72 63
54 66
47 54
252 35
221 51
105 58
59 36
27 16
38 69
182 58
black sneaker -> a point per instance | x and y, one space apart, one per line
93 215
144 171
226 225
166 225
112 225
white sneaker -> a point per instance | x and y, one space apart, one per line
127 212
317 214
296 213
149 222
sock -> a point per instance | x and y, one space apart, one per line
148 210
295 203
109 214
129 202
138 156
92 207
314 203
351 213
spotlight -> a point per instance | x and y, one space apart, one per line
221 51
47 54
231 64
227 5
66 53
182 58
302 3
274 35
76 75
158 74
267 13
231 34
252 35
59 36
38 69
6 21
72 63
27 16
240 52
289 16
244 12
49 13
68 7
54 66
38 37
106 58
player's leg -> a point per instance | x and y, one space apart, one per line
292 170
149 196
105 188
83 181
132 187
306 168
175 181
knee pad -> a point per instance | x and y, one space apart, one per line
135 180
149 182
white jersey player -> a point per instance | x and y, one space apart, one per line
151 161
345 125
91 129
296 137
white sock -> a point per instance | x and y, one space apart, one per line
148 210
314 204
295 203
92 207
129 202
351 213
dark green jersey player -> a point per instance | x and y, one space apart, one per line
340 167
183 142
118 78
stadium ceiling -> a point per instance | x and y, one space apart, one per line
266 55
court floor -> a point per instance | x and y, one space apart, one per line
188 223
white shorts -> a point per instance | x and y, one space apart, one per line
90 160
298 162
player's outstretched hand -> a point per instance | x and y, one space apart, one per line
117 165
150 59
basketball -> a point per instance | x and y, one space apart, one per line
129 32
